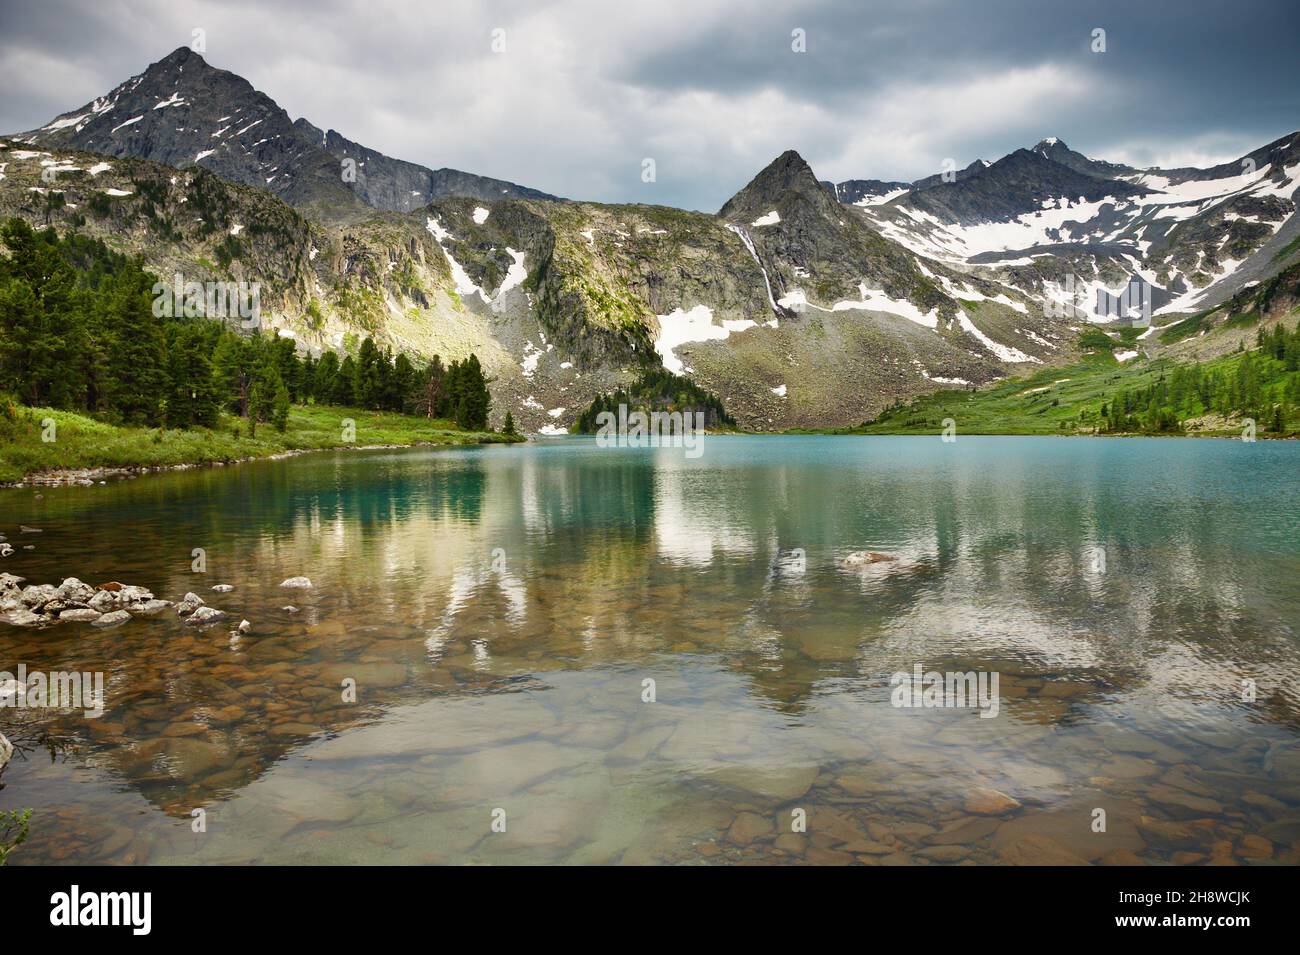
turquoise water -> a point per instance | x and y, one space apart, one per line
500 610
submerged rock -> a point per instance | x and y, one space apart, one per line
223 588
990 802
300 582
749 826
113 619
861 557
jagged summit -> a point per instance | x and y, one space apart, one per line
182 111
786 181
1018 183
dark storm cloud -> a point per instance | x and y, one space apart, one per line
710 90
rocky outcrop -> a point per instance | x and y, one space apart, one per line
72 601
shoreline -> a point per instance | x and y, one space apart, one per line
86 477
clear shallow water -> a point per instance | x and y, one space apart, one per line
499 609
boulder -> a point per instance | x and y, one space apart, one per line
22 617
103 601
189 603
202 616
990 802
223 588
9 582
150 607
298 582
112 619
133 595
245 626
747 827
80 614
37 596
6 550
75 593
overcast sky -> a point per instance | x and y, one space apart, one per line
712 90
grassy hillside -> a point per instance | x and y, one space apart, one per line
84 442
1102 395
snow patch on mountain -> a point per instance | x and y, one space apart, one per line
1004 352
682 327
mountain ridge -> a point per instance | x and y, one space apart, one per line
797 307
242 134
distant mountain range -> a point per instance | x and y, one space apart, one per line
801 303
1194 236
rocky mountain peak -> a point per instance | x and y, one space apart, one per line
788 177
182 112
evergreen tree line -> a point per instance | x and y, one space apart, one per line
77 332
658 390
1262 384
